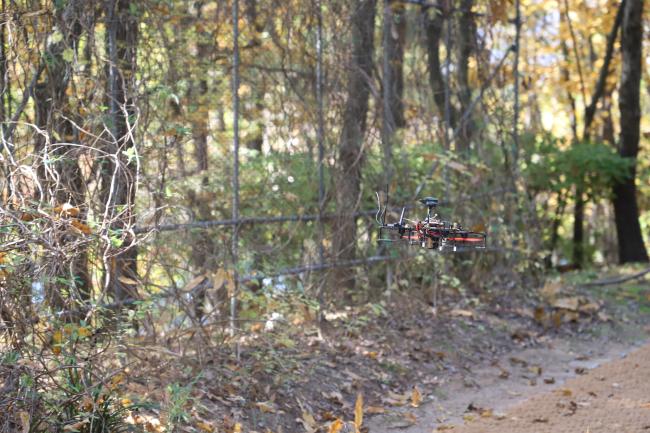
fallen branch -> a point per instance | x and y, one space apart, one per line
617 280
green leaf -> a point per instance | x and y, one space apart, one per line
68 55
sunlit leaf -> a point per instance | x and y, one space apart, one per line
335 426
358 411
416 397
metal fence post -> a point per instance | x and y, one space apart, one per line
235 174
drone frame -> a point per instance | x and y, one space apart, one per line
432 232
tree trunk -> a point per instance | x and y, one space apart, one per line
54 116
348 189
254 106
434 21
626 212
119 192
202 255
578 209
466 42
394 33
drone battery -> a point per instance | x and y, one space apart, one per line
428 243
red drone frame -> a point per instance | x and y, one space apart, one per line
432 232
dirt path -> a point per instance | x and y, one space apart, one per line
614 397
572 386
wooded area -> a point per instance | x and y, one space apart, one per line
185 174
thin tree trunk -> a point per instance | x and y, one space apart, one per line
254 106
3 72
348 189
394 33
599 90
119 192
626 212
466 41
578 209
202 255
434 22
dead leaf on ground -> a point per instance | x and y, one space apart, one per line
205 426
395 399
416 397
373 410
518 361
589 307
571 316
521 334
457 312
604 317
76 426
570 303
334 396
408 419
266 407
24 421
568 408
335 426
327 415
358 411
308 422
487 413
551 289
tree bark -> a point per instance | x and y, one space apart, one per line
119 193
434 21
394 43
53 115
348 189
254 105
626 212
590 111
466 42
202 255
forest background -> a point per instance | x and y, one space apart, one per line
182 173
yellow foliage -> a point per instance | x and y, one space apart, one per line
205 426
85 229
57 337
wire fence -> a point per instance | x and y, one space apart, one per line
193 248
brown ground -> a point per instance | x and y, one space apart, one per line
489 350
614 397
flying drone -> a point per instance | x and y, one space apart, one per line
431 232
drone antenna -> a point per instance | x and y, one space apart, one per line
378 209
383 218
401 217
